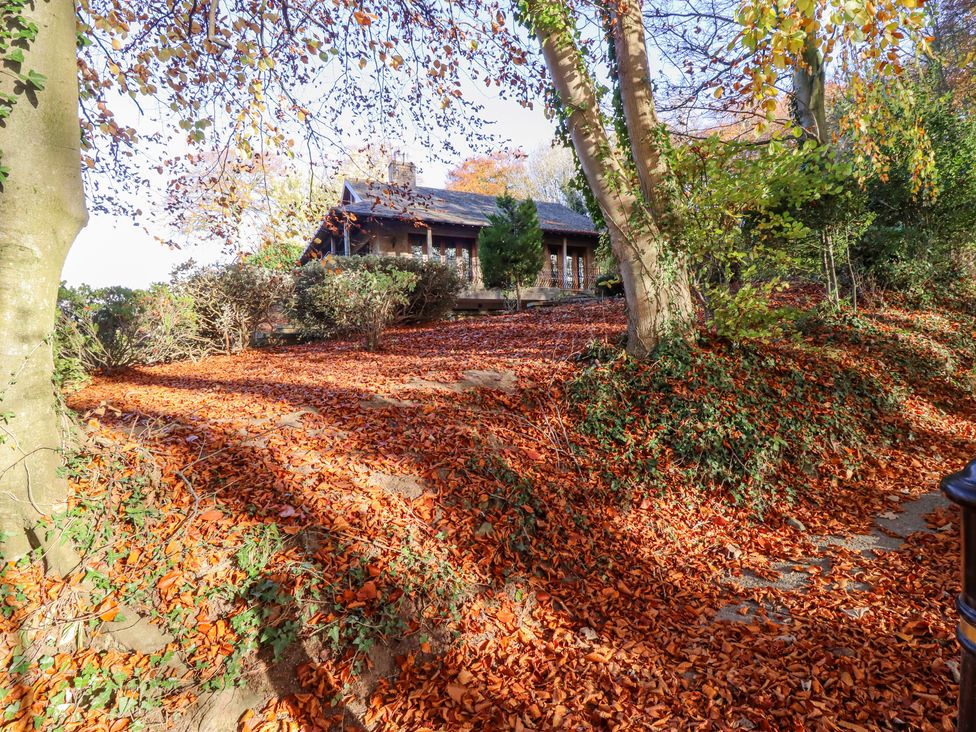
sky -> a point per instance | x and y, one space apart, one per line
113 250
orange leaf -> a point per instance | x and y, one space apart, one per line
107 609
212 515
168 580
456 692
368 591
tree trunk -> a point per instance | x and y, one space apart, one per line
42 209
631 186
809 92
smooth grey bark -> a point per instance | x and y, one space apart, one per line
632 186
42 209
809 93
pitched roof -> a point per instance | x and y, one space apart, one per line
436 205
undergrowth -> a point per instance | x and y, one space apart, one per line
227 589
759 422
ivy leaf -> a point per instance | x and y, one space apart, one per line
35 79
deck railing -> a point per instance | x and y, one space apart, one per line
470 274
574 280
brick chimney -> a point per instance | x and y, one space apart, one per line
402 173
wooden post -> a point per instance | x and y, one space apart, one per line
562 266
960 488
345 238
430 243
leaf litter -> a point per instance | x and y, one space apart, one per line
503 584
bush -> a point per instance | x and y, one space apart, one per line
95 330
168 327
432 297
362 301
609 285
205 310
230 302
510 246
922 239
745 233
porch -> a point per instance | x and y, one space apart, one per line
569 265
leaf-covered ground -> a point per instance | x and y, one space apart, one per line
424 538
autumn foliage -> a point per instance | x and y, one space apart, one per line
438 537
491 175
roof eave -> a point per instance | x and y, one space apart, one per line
431 221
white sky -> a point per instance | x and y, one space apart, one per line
116 251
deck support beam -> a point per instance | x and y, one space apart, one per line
430 243
562 266
345 238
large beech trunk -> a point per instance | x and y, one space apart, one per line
632 186
809 94
42 209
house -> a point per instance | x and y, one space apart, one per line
400 218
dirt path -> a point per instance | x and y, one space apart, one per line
849 582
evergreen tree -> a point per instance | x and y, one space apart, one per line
510 247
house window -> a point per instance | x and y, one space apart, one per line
458 253
418 245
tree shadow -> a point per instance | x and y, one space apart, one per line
583 608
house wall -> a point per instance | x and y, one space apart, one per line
392 238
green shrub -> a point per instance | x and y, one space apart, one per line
510 246
96 329
922 240
362 301
433 296
745 232
204 310
610 285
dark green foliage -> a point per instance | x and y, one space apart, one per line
510 246
756 423
610 285
432 297
923 240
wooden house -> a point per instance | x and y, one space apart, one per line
399 218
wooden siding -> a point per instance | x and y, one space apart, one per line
393 239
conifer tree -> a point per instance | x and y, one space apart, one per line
510 247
